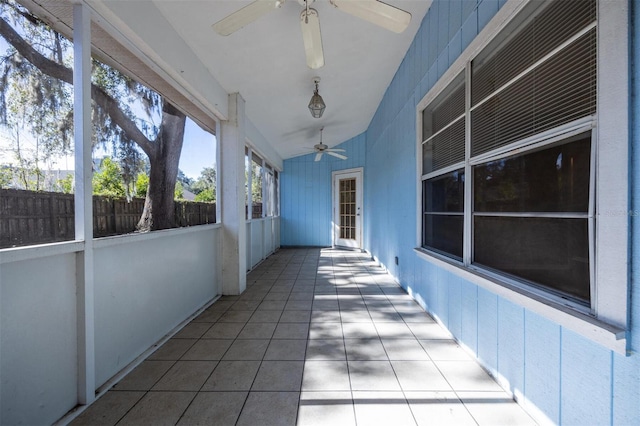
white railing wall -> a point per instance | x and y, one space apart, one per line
145 286
263 239
38 336
154 283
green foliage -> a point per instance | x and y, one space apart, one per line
142 185
6 176
65 184
178 192
108 180
256 183
206 196
205 185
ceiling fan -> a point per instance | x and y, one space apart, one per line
374 11
321 148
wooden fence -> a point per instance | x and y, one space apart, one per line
28 217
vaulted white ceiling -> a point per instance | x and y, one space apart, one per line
265 63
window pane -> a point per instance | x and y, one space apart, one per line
555 179
557 92
551 252
503 59
445 149
444 193
443 233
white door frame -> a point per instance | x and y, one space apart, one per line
336 176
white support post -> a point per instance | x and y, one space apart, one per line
232 167
83 201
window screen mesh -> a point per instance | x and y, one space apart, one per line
560 90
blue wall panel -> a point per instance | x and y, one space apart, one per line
542 354
511 334
567 378
586 381
306 194
488 329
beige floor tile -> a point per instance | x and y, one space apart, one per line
272 305
419 376
438 408
325 350
302 292
291 331
325 376
245 305
467 376
246 350
144 376
494 408
276 296
172 349
378 316
286 350
382 408
265 316
394 330
209 316
326 408
270 409
359 330
357 316
372 376
419 317
228 330
108 409
236 316
158 408
405 349
207 350
257 330
298 305
428 331
193 330
279 376
232 376
296 316
214 408
365 350
185 376
221 305
445 350
325 305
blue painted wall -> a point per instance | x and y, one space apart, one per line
566 377
305 188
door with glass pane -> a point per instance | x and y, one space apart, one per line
347 208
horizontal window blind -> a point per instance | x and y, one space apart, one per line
444 149
558 91
507 57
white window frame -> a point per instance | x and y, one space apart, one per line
607 323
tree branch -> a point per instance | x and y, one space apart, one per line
100 97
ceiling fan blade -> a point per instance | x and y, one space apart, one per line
318 156
245 16
336 150
310 24
376 12
340 156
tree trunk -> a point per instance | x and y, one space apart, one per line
159 210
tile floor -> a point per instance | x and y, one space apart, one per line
320 337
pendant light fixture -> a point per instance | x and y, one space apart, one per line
316 104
